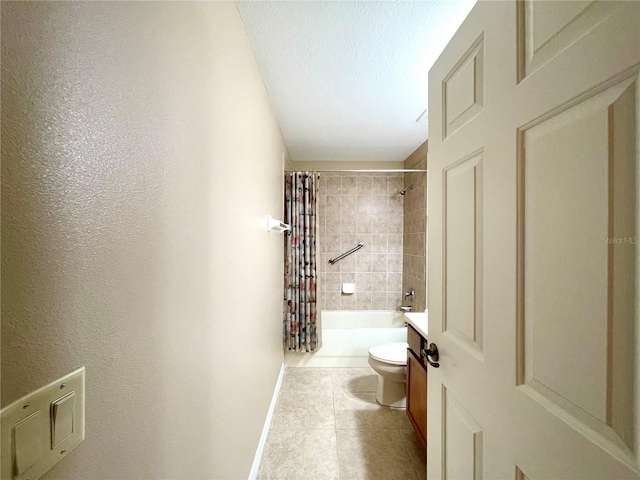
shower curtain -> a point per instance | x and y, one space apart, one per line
300 313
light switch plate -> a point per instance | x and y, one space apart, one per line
29 443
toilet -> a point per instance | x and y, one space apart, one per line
389 361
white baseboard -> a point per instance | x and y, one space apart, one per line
265 430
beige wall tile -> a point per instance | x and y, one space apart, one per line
333 223
349 205
363 302
333 300
395 204
378 300
395 243
394 281
379 225
363 224
333 205
348 264
363 263
379 186
378 242
331 243
348 302
363 282
414 241
379 262
347 278
332 282
364 238
394 185
356 208
379 282
348 241
394 262
364 185
331 186
349 186
394 300
394 224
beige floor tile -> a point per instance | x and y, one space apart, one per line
304 410
360 410
400 416
373 454
306 379
354 379
417 452
300 454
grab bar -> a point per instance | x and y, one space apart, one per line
346 254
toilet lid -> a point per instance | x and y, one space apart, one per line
394 353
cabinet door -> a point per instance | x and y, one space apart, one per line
417 395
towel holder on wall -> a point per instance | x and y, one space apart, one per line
277 225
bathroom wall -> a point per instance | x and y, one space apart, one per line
414 261
367 208
140 157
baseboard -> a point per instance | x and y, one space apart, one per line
267 424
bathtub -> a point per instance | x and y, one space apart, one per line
347 336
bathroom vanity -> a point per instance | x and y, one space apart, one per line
417 373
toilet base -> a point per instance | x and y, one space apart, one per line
391 394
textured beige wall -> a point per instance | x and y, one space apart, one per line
140 156
354 208
414 263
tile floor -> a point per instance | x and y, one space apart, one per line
327 425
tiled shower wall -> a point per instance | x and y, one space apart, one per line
354 208
414 261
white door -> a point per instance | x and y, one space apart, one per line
533 243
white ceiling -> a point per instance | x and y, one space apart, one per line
348 79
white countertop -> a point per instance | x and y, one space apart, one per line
419 321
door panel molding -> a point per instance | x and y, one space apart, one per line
463 89
520 474
542 37
462 446
576 362
462 242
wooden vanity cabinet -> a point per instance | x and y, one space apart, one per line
416 384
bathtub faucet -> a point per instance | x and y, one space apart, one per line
408 308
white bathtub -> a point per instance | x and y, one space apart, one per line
347 336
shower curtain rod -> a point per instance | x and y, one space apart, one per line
388 170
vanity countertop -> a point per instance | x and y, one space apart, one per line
419 321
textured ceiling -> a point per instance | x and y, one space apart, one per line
349 79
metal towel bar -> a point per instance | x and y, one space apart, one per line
346 254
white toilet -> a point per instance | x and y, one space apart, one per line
390 362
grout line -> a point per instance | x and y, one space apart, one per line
406 447
417 464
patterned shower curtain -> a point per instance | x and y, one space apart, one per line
300 313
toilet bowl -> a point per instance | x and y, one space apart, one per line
389 361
